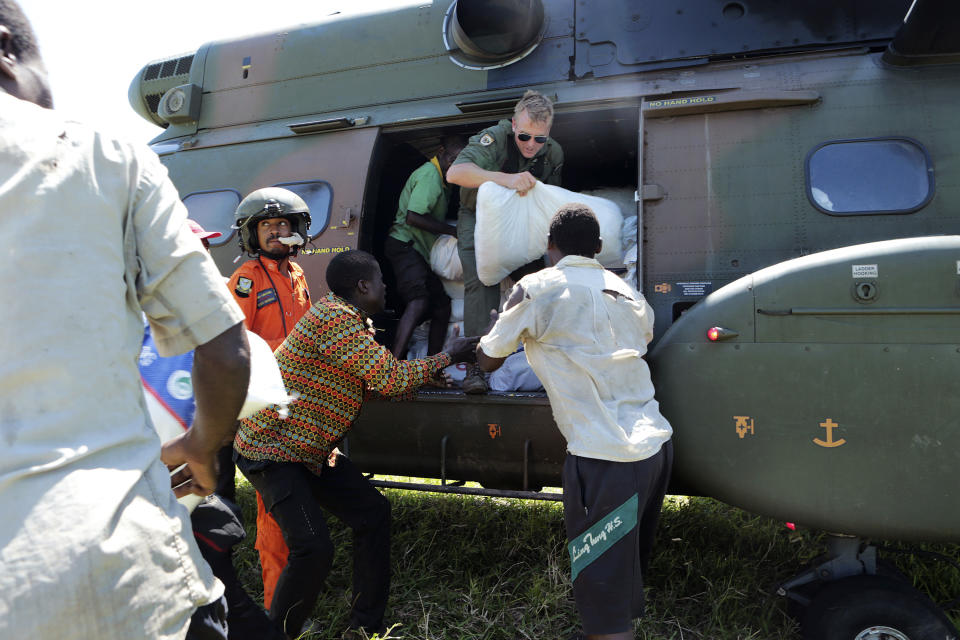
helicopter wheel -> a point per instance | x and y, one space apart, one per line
874 608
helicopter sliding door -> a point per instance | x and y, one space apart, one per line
717 193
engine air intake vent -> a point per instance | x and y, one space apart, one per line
153 101
153 81
152 72
492 34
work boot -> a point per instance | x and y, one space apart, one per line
474 381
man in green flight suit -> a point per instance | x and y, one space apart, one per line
515 154
421 215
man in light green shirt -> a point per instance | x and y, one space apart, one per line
421 215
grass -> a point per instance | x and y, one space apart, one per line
478 568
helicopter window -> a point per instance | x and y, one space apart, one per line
318 195
870 176
213 210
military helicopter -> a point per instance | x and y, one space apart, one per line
794 169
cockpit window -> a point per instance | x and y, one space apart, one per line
318 195
869 176
214 210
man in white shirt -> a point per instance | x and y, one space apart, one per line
92 541
585 332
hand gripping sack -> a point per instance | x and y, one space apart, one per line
512 229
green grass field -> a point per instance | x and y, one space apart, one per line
472 568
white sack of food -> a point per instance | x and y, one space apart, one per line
456 309
264 389
444 258
266 383
454 288
512 229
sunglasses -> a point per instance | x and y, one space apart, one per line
525 137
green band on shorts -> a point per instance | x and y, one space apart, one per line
591 544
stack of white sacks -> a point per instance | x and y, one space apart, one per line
512 231
445 262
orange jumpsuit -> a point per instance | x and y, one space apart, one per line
272 302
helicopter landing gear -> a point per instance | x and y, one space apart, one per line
874 608
845 597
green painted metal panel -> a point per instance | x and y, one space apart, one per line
486 439
831 412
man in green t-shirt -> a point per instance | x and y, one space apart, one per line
515 154
421 216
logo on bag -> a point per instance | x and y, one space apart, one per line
179 385
147 356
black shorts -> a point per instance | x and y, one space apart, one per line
415 279
610 510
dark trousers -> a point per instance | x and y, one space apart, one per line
609 592
217 529
226 480
298 499
245 619
209 622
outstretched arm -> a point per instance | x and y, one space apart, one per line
489 363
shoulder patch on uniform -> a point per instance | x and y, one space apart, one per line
243 287
486 139
265 297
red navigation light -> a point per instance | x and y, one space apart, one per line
716 334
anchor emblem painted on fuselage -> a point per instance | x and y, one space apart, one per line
829 425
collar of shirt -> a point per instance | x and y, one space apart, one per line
274 265
436 163
336 301
578 261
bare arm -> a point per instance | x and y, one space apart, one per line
432 225
467 174
489 363
221 374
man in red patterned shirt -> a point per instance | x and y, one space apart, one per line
330 359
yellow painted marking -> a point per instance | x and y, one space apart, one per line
743 425
322 250
680 102
829 425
